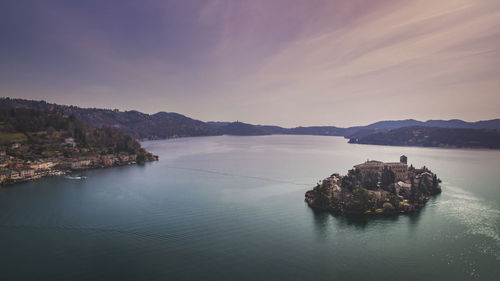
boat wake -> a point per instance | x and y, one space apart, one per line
238 175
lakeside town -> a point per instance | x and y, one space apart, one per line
39 143
14 169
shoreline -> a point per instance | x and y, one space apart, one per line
61 170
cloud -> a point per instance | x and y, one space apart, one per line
391 54
280 62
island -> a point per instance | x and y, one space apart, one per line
375 188
39 143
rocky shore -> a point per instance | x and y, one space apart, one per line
375 188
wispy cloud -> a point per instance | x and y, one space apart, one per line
284 62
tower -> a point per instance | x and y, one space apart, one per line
403 159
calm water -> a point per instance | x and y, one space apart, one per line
231 208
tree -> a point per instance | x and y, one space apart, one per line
370 180
141 158
351 180
359 202
388 177
415 191
394 200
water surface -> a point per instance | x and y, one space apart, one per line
231 208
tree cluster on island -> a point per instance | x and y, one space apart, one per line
375 191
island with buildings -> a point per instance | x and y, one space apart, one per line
375 187
40 143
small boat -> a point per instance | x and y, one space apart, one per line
76 177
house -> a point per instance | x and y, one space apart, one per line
41 165
401 184
27 173
123 157
69 142
15 175
107 160
81 164
4 174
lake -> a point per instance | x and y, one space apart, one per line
232 208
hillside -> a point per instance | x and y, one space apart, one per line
242 129
245 129
434 137
454 123
140 125
31 134
164 125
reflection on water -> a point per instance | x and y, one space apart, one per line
321 222
322 219
414 218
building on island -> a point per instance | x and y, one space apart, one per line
400 169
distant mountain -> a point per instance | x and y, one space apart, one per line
164 125
434 137
242 129
394 124
273 130
318 130
140 125
381 127
218 124
239 128
245 129
454 123
493 124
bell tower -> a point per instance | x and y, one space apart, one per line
403 159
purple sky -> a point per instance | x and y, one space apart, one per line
282 62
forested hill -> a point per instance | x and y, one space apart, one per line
140 125
163 125
434 137
31 134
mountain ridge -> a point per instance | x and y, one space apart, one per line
160 125
164 125
434 137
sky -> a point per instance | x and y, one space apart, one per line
280 62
